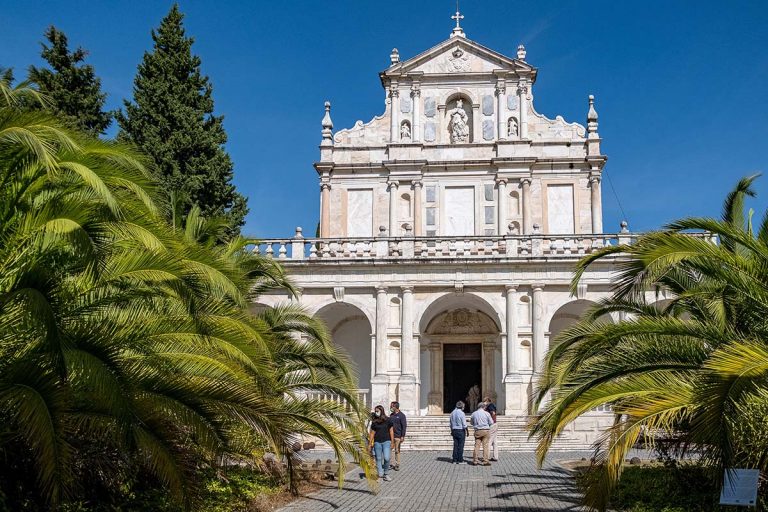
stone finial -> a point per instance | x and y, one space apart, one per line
536 228
592 118
394 57
521 52
298 232
624 226
327 126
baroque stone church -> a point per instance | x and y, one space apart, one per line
449 230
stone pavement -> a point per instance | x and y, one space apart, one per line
428 481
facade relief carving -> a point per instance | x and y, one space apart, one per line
462 321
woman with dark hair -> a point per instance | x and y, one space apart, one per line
380 440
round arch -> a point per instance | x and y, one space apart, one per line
570 313
350 331
452 301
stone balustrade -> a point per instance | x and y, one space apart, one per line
442 247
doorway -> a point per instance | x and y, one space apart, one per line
462 369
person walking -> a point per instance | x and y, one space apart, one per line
380 440
458 432
399 424
481 423
490 407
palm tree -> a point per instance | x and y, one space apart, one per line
126 341
688 369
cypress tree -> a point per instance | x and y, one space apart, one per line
71 86
172 121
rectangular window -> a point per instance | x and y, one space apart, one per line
489 192
431 193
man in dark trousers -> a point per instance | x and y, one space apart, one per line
399 423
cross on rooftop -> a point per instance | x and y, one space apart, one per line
458 16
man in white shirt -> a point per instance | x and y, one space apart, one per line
481 423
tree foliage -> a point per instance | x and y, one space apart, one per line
694 371
172 121
72 87
128 345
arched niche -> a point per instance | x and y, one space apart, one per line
453 108
350 331
514 203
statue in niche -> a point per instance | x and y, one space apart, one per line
473 397
512 127
405 131
458 124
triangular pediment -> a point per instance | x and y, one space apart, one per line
460 55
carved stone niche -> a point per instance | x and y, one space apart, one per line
462 321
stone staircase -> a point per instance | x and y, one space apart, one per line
433 433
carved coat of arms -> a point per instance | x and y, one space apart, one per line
458 61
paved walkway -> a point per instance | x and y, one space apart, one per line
428 481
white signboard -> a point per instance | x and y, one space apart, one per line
740 487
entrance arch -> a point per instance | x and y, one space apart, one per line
351 332
461 334
568 314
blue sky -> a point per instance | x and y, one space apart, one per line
681 86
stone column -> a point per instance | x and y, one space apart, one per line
325 210
511 325
409 357
418 230
416 112
406 345
380 380
522 93
393 231
394 104
501 184
538 346
515 395
381 330
501 103
527 220
489 369
435 397
597 205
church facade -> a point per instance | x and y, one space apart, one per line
449 230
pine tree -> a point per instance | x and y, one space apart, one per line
172 121
72 87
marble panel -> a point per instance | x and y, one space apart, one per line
487 105
488 191
459 211
488 129
430 131
560 209
431 193
405 104
359 213
490 214
430 216
512 102
430 107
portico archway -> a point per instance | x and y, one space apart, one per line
351 331
461 335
